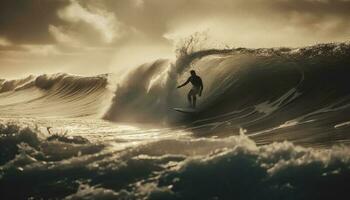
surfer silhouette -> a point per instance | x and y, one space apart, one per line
197 88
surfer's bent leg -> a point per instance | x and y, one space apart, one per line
189 98
194 100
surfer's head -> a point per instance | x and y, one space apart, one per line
193 73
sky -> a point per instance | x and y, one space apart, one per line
89 37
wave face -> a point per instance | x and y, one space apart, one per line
272 124
57 95
300 95
261 90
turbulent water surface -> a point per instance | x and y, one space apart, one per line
272 124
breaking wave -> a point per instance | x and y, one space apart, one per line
277 94
299 94
303 92
57 95
272 124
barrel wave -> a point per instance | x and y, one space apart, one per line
266 91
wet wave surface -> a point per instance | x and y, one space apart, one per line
299 95
57 95
272 124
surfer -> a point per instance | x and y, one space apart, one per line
197 88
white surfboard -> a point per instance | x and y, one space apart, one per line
186 110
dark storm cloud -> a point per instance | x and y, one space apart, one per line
27 21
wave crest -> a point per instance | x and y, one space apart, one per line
60 95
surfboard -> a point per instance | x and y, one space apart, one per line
186 110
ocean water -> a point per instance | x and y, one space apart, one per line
272 124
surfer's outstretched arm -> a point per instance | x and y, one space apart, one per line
185 83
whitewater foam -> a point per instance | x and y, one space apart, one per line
179 168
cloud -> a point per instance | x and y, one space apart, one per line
106 21
102 21
308 21
139 3
41 50
63 36
4 42
123 30
26 22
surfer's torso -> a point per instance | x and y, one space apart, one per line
196 81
